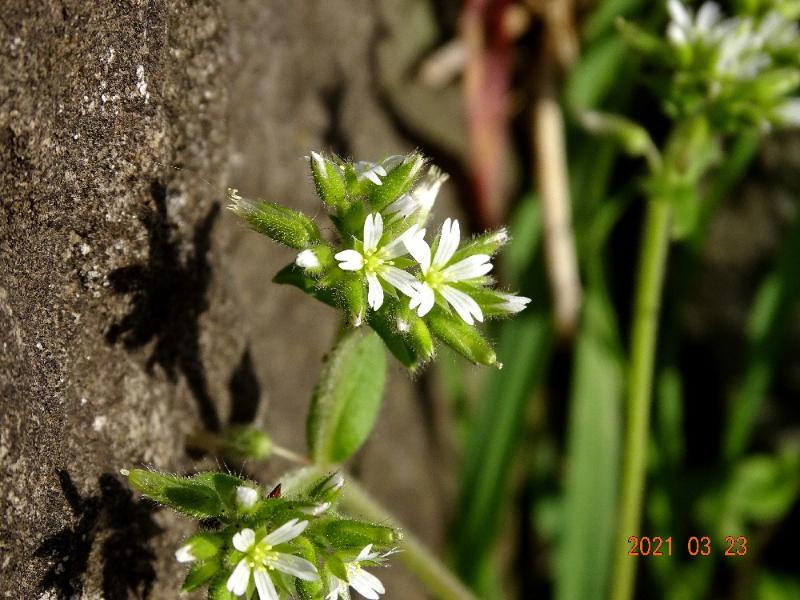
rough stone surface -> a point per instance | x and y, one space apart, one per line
115 333
134 310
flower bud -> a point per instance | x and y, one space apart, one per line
462 338
200 546
200 574
416 334
346 533
329 181
284 225
396 182
488 243
355 298
246 497
315 260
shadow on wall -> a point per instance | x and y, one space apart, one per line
168 298
120 526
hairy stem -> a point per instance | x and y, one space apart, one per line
649 285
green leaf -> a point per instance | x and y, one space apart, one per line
593 453
347 398
596 74
200 574
189 496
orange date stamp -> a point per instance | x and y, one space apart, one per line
645 545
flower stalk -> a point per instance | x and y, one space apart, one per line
647 302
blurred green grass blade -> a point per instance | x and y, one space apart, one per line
766 329
669 416
596 74
601 21
495 433
593 453
525 348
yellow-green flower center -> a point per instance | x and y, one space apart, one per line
261 555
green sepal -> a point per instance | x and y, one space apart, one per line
224 485
354 297
205 544
461 337
348 533
284 225
307 590
218 589
294 276
337 567
385 325
200 574
329 181
487 243
186 495
327 489
397 182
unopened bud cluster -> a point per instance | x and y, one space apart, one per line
274 545
380 269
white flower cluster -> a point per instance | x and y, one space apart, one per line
443 275
262 558
728 51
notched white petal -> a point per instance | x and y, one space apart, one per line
374 292
184 554
294 565
287 531
237 582
266 589
244 540
350 260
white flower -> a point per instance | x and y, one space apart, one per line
438 273
376 260
421 199
260 559
184 554
307 260
371 171
246 496
511 302
362 581
687 29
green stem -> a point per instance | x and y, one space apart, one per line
652 263
418 558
